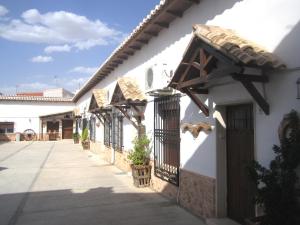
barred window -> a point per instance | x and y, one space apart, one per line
92 127
6 127
167 138
107 132
117 132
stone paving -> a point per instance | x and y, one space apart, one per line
47 183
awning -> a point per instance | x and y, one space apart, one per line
127 92
216 54
99 100
128 96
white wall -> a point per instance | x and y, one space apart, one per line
272 24
26 115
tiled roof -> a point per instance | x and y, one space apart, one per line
33 99
130 89
159 18
235 47
100 97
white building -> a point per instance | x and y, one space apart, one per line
229 88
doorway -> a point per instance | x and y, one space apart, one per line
67 129
239 154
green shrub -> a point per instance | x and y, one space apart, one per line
85 134
76 136
276 186
141 151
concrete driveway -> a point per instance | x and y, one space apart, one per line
47 183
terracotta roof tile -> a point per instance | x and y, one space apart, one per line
100 97
130 89
236 48
33 98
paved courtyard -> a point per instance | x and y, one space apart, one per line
45 183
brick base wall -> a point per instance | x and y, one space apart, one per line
198 193
7 137
122 162
163 187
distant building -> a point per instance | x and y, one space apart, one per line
30 94
53 93
58 92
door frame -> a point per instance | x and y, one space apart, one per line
220 116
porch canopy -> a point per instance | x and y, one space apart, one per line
99 104
128 96
215 56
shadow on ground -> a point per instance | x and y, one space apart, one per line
103 205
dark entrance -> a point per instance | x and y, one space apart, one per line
67 129
53 130
240 152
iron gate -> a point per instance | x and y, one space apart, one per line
167 138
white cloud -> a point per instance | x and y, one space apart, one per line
3 10
59 28
84 70
57 48
41 59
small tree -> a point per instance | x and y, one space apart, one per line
85 135
141 151
276 185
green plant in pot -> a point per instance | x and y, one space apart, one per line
140 158
277 187
85 139
76 138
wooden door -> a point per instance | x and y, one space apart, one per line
67 129
240 152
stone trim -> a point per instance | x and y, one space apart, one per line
197 193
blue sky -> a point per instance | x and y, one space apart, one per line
49 43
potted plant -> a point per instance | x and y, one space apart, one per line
140 158
85 139
277 187
76 138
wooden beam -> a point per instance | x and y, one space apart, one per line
100 118
199 91
127 116
162 24
251 78
197 101
123 57
129 52
185 73
214 75
210 63
194 1
175 13
154 34
135 47
117 61
143 41
259 99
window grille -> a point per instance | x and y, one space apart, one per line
6 127
117 132
167 138
107 132
92 127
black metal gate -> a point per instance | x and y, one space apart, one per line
167 138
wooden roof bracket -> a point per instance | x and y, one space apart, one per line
127 116
100 117
247 82
197 101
